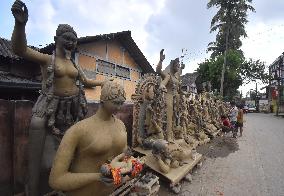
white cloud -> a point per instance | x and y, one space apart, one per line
167 24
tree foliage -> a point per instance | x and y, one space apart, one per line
229 22
230 18
237 72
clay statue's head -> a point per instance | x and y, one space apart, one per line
112 96
149 92
66 37
174 65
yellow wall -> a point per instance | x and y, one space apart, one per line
115 55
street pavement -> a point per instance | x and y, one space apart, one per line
252 165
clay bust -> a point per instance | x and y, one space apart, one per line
62 101
88 145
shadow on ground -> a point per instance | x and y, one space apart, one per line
219 147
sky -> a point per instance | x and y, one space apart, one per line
154 24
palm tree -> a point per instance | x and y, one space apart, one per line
229 21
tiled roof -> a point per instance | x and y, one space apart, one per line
6 49
124 38
8 79
7 52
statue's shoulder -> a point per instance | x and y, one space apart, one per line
119 122
83 125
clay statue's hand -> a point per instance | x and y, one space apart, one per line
163 88
20 12
106 180
162 55
182 66
105 81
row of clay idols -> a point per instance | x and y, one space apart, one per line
192 119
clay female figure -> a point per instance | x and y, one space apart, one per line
171 84
87 145
62 101
151 128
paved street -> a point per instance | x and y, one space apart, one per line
250 166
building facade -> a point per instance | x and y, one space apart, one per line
275 88
114 55
188 82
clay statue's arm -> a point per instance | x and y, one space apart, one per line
60 178
156 126
159 69
164 166
19 41
165 81
86 81
159 65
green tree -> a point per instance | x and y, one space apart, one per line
238 71
229 21
211 69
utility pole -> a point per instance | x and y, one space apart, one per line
256 98
224 64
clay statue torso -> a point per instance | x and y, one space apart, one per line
172 85
96 146
65 78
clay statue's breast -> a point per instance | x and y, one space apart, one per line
108 139
65 69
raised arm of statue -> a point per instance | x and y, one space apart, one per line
89 82
164 82
159 65
60 178
19 41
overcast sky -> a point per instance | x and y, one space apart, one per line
155 24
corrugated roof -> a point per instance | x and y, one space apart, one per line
124 38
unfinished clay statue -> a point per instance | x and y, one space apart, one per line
197 122
148 112
183 131
62 101
169 154
171 85
88 145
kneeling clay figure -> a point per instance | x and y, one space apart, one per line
170 154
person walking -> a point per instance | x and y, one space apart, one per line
240 119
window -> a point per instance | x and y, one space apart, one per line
105 67
122 72
112 69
